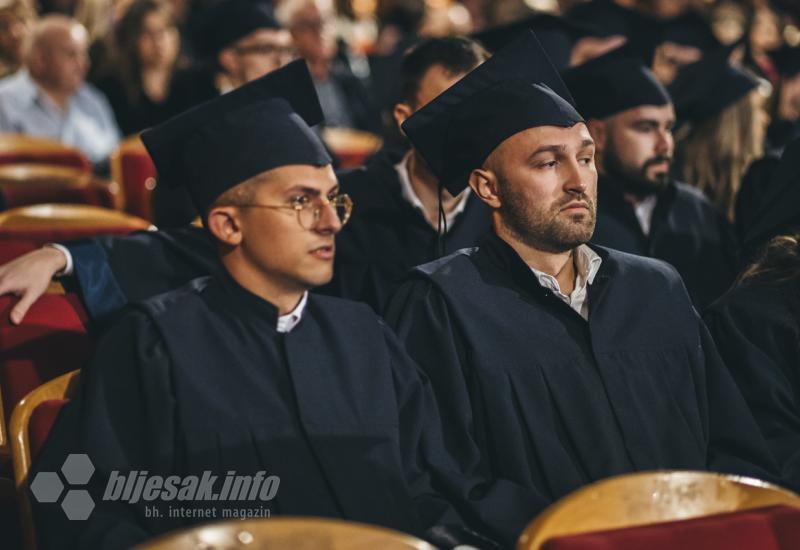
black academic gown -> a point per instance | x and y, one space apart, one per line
757 330
686 231
387 236
199 380
532 393
384 239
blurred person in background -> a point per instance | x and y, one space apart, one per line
785 125
757 324
16 18
50 98
723 121
345 100
137 77
764 35
641 209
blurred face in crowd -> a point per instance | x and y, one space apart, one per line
158 41
313 36
542 185
13 30
435 81
58 59
789 100
761 118
298 252
260 52
637 146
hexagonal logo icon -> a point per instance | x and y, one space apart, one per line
77 469
46 487
78 504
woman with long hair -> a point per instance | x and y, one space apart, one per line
722 121
138 72
756 325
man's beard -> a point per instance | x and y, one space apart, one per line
548 230
635 181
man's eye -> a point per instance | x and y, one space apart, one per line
301 200
551 164
586 160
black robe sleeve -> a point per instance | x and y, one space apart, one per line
502 507
758 337
123 419
109 272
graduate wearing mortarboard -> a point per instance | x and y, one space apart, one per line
757 324
245 371
641 209
556 363
785 124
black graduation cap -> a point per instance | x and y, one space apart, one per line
557 35
786 60
223 142
229 20
612 83
689 29
780 210
516 89
609 19
705 88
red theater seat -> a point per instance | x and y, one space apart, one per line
27 183
16 148
351 147
14 248
133 169
772 528
43 223
668 509
52 340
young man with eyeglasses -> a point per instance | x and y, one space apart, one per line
247 374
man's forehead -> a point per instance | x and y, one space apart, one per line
264 35
304 175
553 136
650 112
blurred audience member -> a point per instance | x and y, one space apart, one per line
614 26
49 96
94 15
729 21
723 119
137 77
785 125
344 99
682 40
243 41
15 21
765 35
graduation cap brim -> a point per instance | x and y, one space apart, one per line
516 89
259 126
780 210
707 87
613 83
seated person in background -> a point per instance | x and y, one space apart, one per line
49 96
245 371
556 363
393 229
243 41
16 17
757 324
640 208
344 98
137 75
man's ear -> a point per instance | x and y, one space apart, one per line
224 223
484 184
599 131
401 112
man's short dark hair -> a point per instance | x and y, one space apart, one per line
457 55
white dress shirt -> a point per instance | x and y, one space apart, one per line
587 263
407 191
287 322
644 212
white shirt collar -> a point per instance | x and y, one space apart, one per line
587 264
287 322
407 191
644 212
